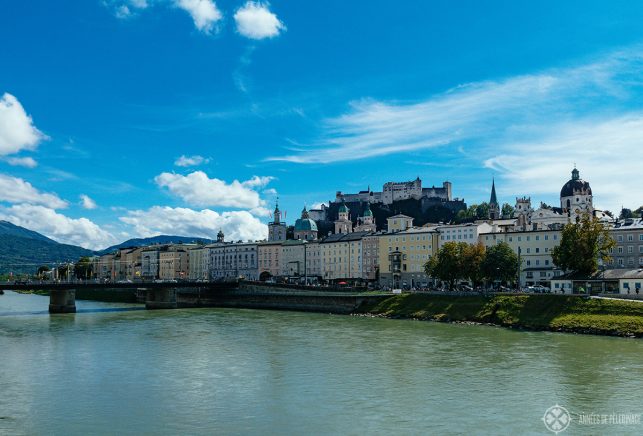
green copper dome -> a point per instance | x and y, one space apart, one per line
305 224
368 211
343 208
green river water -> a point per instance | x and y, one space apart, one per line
117 369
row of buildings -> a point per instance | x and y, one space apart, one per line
393 257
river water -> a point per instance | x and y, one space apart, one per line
117 369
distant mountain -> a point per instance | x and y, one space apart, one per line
23 250
161 239
6 228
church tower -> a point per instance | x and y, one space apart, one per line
276 228
576 196
366 222
220 236
305 227
494 207
343 224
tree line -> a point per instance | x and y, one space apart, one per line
457 261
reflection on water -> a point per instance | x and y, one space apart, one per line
201 371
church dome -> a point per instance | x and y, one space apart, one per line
576 186
368 211
305 224
343 208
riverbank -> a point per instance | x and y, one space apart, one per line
529 312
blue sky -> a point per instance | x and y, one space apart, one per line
100 99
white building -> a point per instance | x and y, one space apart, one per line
232 261
198 262
467 232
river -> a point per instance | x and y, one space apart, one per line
117 369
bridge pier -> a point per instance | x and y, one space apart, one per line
62 301
160 299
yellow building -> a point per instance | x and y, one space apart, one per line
341 256
403 254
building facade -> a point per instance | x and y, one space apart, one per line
269 259
403 255
628 252
341 257
534 248
233 261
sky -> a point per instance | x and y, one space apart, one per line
133 118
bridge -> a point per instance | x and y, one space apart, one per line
158 295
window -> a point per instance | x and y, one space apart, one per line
620 250
620 238
630 238
537 250
528 262
519 238
641 237
630 249
546 237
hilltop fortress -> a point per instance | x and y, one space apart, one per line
396 191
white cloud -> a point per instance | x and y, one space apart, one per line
61 228
16 190
122 12
270 191
204 13
484 111
190 161
319 205
87 203
188 222
27 162
198 189
17 131
608 154
255 21
124 9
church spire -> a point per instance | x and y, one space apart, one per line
494 207
493 199
277 214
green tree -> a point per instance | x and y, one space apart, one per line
500 263
626 213
582 245
83 268
446 264
507 211
472 259
482 211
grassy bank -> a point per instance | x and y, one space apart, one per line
533 312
